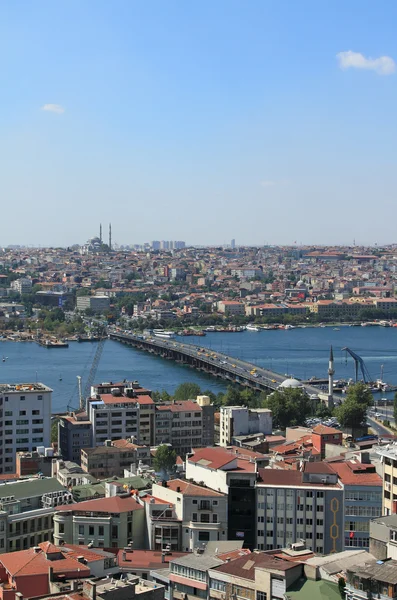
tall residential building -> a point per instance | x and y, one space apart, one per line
363 500
202 512
300 505
22 286
112 459
231 472
113 416
97 304
26 420
240 420
74 433
179 424
388 455
233 244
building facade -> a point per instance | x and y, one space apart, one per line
25 419
74 433
240 420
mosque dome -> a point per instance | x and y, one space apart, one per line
290 383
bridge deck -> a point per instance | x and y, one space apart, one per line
215 363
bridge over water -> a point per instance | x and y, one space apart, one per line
217 364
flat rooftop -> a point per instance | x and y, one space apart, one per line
24 387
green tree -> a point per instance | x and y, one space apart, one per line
359 393
54 431
165 460
290 407
187 390
351 414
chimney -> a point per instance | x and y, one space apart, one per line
124 556
18 596
50 574
81 559
163 557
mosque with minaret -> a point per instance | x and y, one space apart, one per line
96 245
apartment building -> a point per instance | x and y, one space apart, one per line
146 419
179 424
233 473
388 456
231 307
201 511
22 285
258 576
300 505
97 304
26 511
113 458
111 522
362 500
25 421
74 433
240 420
113 416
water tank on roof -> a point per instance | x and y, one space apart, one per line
115 392
49 452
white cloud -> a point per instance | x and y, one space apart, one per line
55 108
268 183
384 65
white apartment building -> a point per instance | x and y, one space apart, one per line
240 420
25 421
201 511
113 416
22 286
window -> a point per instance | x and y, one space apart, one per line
81 529
35 412
215 518
115 532
91 530
261 596
8 413
22 398
61 528
204 536
194 517
100 530
194 501
22 413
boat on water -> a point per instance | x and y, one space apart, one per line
162 333
336 329
53 344
289 327
251 327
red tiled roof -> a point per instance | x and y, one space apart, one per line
351 473
183 405
146 559
290 478
190 489
324 430
30 562
213 458
114 504
245 566
142 399
110 399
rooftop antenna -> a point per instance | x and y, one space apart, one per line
100 232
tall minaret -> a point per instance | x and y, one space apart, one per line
331 372
110 236
100 232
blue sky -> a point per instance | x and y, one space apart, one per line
201 121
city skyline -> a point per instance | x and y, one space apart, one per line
180 121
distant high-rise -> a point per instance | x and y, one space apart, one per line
233 244
110 236
100 232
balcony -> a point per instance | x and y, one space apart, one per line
205 506
210 526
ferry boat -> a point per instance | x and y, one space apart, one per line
162 333
251 327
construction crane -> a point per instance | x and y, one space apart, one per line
83 395
358 362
